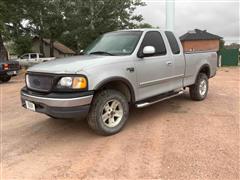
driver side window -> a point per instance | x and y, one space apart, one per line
153 38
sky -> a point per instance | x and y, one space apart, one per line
220 17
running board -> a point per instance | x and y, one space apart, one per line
162 98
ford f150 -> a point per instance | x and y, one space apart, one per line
140 67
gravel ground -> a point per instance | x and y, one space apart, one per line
174 139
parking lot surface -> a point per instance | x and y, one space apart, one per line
174 139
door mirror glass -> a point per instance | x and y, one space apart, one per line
149 50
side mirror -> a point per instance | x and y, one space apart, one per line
149 50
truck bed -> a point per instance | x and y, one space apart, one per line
194 61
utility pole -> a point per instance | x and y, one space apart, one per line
170 15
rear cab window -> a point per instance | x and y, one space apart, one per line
172 42
153 38
33 56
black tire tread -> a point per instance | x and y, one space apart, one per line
194 89
5 78
93 113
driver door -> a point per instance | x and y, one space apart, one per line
154 71
24 60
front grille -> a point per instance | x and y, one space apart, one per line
41 83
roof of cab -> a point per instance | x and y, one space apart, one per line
143 29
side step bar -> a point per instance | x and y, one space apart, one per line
156 100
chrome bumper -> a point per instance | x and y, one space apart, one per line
57 102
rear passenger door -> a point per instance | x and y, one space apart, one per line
178 60
154 72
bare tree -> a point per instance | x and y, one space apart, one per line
3 51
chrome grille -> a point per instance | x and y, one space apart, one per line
42 83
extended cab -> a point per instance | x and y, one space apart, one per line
30 59
140 67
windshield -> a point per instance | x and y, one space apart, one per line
115 43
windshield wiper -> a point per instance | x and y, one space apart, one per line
102 52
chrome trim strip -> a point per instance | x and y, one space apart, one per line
149 83
150 103
57 102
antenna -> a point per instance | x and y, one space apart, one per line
170 14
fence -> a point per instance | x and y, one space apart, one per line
229 57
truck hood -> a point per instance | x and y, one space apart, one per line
74 64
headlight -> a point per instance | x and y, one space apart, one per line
65 82
73 82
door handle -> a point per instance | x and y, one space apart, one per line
169 63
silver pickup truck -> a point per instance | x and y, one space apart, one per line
139 67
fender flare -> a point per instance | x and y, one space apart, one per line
202 67
117 78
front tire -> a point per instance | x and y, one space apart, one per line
199 90
109 112
5 78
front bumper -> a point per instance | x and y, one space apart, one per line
59 105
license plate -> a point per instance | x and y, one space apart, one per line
12 73
30 105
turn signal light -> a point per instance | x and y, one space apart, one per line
79 83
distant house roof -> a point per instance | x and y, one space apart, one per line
59 46
197 34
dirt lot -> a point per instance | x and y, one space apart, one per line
175 139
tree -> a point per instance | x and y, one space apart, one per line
55 21
221 44
22 45
233 46
86 20
21 19
144 25
3 51
35 18
47 21
75 23
12 15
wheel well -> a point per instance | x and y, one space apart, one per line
206 70
120 86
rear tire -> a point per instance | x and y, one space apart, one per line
5 78
109 112
199 90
